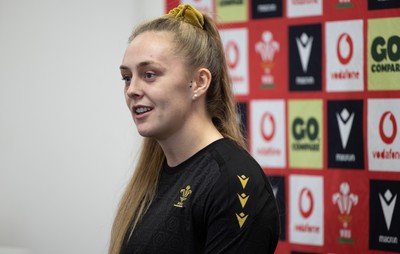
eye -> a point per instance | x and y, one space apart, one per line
127 79
149 75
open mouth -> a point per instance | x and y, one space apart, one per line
142 110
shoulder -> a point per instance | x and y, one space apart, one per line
241 184
235 162
240 203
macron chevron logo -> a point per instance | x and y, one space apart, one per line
388 201
345 122
304 45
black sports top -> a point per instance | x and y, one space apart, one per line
217 201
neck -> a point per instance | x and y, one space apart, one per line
186 143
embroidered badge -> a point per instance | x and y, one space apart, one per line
243 180
185 193
241 217
243 198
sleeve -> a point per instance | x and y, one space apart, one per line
241 212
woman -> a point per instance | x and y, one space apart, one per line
195 189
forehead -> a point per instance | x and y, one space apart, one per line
151 47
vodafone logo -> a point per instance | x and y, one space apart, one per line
267 126
383 142
344 54
268 139
306 217
388 138
344 48
232 54
306 203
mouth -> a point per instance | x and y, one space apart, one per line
141 110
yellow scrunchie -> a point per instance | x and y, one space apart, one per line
188 14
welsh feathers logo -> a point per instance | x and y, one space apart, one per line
267 48
345 200
185 193
344 4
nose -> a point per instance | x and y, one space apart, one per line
134 89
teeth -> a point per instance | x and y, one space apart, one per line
142 110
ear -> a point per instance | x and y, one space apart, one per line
201 82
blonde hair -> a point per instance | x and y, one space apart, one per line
199 48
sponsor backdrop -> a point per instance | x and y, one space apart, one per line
318 85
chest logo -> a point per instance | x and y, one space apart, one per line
185 193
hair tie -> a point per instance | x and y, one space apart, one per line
188 14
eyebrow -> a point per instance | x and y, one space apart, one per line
123 67
141 64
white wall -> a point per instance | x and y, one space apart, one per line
67 140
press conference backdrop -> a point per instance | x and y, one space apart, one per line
318 84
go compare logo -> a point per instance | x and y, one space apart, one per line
302 130
384 54
386 50
305 133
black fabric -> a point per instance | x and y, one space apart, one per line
197 207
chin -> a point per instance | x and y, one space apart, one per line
146 133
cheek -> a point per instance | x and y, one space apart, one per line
172 106
177 96
182 99
180 108
127 99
